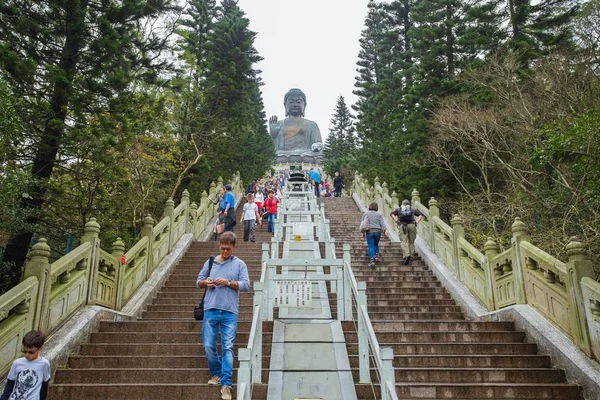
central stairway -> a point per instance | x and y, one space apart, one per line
160 356
438 354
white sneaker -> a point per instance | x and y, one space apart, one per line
214 380
226 393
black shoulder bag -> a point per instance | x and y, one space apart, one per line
199 309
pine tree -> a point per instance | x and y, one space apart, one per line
341 140
66 60
535 28
232 121
340 146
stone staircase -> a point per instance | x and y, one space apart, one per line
159 356
438 354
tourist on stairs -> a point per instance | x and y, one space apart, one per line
375 226
249 218
407 226
271 209
228 207
228 276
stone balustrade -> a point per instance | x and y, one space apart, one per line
563 292
88 275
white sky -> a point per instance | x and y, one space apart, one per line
309 44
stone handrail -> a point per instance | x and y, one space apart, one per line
69 279
591 302
51 293
522 274
17 311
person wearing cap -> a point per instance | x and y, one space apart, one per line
228 207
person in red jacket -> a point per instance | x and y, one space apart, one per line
270 206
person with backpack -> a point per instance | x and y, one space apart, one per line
407 225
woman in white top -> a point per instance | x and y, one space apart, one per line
259 199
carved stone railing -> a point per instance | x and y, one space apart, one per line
51 293
17 311
523 274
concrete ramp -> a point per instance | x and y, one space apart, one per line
309 361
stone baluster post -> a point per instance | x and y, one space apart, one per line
385 210
117 251
395 202
579 266
347 281
363 335
491 250
194 220
91 233
265 296
387 373
257 345
168 213
415 197
205 205
458 230
148 231
377 193
244 373
185 198
272 286
39 266
213 194
434 211
340 292
519 231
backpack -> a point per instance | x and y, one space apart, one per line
405 216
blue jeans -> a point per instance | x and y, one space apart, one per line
373 243
219 366
271 222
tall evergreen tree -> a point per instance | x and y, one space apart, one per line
232 124
66 60
341 140
341 145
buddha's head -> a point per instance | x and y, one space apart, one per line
294 102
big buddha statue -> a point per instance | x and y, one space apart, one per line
296 138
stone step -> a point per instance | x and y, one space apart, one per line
473 361
145 391
428 281
443 326
170 349
454 348
383 274
140 375
416 303
246 307
479 375
487 391
136 361
414 309
392 289
190 294
415 315
402 297
192 301
444 337
168 315
379 268
161 337
170 326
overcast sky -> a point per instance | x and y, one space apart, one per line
309 44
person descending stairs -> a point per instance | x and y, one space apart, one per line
437 352
159 355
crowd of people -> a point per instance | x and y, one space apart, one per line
264 195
